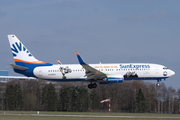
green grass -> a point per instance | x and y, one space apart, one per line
72 118
26 115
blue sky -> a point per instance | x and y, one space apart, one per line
104 31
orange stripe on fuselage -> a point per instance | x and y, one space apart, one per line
34 62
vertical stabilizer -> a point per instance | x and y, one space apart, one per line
25 62
20 53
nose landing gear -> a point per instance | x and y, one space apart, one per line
158 84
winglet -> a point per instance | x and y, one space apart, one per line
77 53
81 61
59 62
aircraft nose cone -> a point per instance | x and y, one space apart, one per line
172 73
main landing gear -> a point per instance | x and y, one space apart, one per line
92 85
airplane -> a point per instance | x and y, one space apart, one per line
28 65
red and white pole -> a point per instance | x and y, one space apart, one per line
109 104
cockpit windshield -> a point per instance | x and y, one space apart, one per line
165 68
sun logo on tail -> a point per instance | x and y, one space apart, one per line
19 47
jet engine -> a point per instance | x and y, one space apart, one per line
113 79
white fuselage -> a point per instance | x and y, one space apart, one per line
130 71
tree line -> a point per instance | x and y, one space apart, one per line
130 96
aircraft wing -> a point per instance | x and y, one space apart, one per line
91 73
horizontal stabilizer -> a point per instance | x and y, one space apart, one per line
19 67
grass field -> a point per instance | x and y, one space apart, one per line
32 115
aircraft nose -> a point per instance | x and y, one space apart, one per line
172 73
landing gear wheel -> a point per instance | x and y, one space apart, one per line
92 85
157 84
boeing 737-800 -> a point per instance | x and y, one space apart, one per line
28 65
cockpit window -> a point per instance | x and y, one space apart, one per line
165 68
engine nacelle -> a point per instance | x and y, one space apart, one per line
113 79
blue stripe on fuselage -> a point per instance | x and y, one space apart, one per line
84 79
145 78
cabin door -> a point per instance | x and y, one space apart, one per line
157 70
40 72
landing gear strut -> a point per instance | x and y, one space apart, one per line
158 84
92 85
